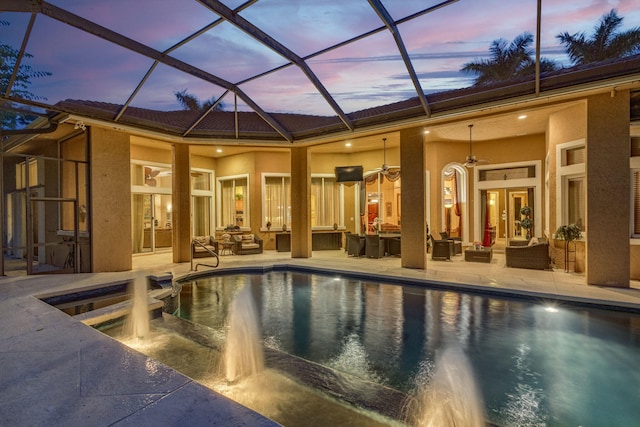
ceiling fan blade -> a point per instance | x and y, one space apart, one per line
150 173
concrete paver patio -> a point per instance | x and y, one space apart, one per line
58 371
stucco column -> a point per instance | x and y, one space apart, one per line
608 189
413 199
110 205
300 203
181 203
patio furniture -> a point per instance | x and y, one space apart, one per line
226 244
355 245
202 245
246 244
457 242
442 250
478 255
534 256
393 245
374 246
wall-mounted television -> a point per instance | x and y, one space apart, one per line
349 173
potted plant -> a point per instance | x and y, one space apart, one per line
568 233
526 222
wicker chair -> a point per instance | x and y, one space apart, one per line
394 246
457 242
201 245
246 244
534 256
355 245
442 250
374 247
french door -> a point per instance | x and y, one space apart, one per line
151 223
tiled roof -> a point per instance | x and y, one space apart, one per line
250 126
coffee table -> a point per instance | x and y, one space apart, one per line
478 255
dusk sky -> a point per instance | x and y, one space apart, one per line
360 75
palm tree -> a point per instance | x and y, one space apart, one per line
605 43
12 117
191 102
508 61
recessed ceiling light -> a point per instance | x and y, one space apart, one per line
522 116
348 144
427 132
219 150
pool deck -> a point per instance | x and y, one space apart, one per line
58 371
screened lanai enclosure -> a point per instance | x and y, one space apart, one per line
232 77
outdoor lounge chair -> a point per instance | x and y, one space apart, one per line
457 242
442 250
245 244
534 256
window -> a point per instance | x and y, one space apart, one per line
276 200
635 203
573 156
503 174
151 176
635 187
233 201
201 180
452 212
571 185
576 208
326 202
21 174
201 202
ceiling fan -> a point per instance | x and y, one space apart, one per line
150 176
384 169
471 159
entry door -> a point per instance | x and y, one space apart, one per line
517 200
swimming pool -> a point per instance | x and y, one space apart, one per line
536 363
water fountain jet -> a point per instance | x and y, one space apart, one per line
139 317
451 398
243 354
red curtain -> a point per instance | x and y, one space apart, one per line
456 198
486 241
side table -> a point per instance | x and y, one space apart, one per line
227 248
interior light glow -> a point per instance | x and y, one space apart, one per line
219 150
348 144
550 309
522 116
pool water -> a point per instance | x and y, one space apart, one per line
536 363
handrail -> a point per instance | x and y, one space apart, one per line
209 251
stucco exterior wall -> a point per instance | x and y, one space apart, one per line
110 200
414 235
566 125
608 189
